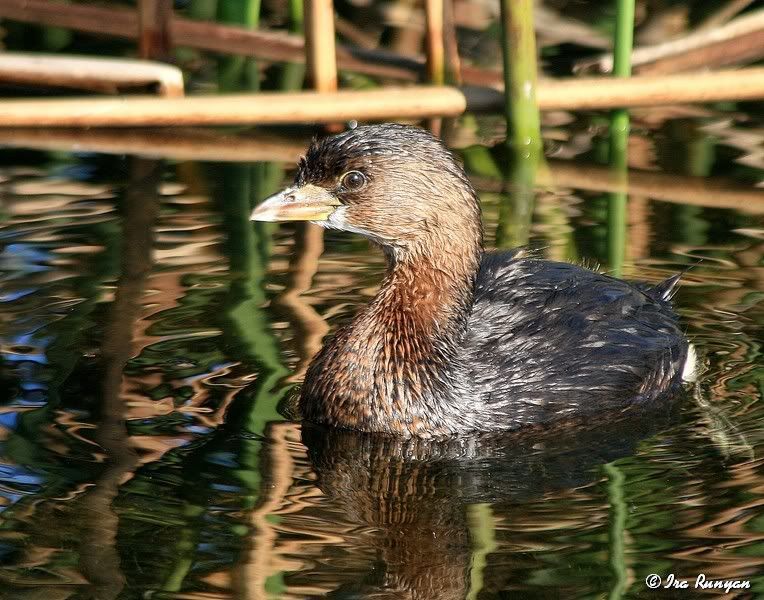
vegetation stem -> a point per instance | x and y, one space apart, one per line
523 121
520 75
619 138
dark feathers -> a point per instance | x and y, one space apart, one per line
548 341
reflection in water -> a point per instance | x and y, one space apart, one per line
413 499
143 454
309 325
89 512
245 324
99 560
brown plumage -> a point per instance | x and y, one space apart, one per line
458 340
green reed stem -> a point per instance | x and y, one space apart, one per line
617 228
239 72
516 209
616 534
520 74
695 157
619 138
296 16
523 121
624 38
242 12
203 10
184 548
292 75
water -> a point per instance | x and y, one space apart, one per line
150 338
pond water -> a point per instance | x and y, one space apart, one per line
150 337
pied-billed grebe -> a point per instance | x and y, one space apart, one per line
458 340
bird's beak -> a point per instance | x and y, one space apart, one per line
305 203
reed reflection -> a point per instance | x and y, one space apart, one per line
252 411
99 559
73 535
424 513
310 327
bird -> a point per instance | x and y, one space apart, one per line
459 340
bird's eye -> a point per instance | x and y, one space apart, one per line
353 180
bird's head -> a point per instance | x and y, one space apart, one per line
397 185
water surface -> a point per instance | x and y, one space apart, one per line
150 337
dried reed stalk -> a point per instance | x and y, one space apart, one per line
276 107
276 46
657 90
415 102
453 62
154 18
320 45
743 36
122 22
435 42
98 74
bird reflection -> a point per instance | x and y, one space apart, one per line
413 499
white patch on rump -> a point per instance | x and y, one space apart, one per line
690 369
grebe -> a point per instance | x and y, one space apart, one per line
459 340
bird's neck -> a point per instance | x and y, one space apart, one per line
426 297
391 369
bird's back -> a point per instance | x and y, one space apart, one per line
548 341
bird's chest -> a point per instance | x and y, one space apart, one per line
379 375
